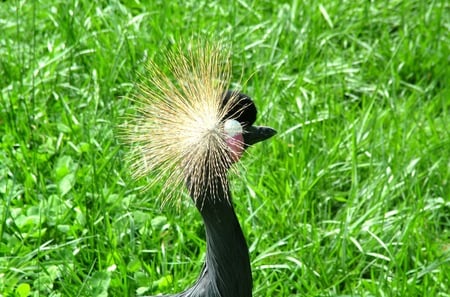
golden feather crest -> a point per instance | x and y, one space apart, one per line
177 133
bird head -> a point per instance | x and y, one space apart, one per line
238 124
188 129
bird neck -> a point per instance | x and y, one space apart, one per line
227 259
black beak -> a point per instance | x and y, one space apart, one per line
254 134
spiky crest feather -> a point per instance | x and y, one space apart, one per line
177 135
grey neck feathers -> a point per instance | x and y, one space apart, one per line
226 272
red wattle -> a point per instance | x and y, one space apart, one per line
236 145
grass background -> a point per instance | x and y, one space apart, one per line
351 198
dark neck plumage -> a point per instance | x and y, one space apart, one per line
227 260
226 272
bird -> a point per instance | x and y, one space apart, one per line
188 132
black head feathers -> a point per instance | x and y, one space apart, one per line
244 111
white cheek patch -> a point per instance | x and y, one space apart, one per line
235 140
232 128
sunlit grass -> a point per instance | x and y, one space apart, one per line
351 198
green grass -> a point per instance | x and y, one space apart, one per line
351 198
